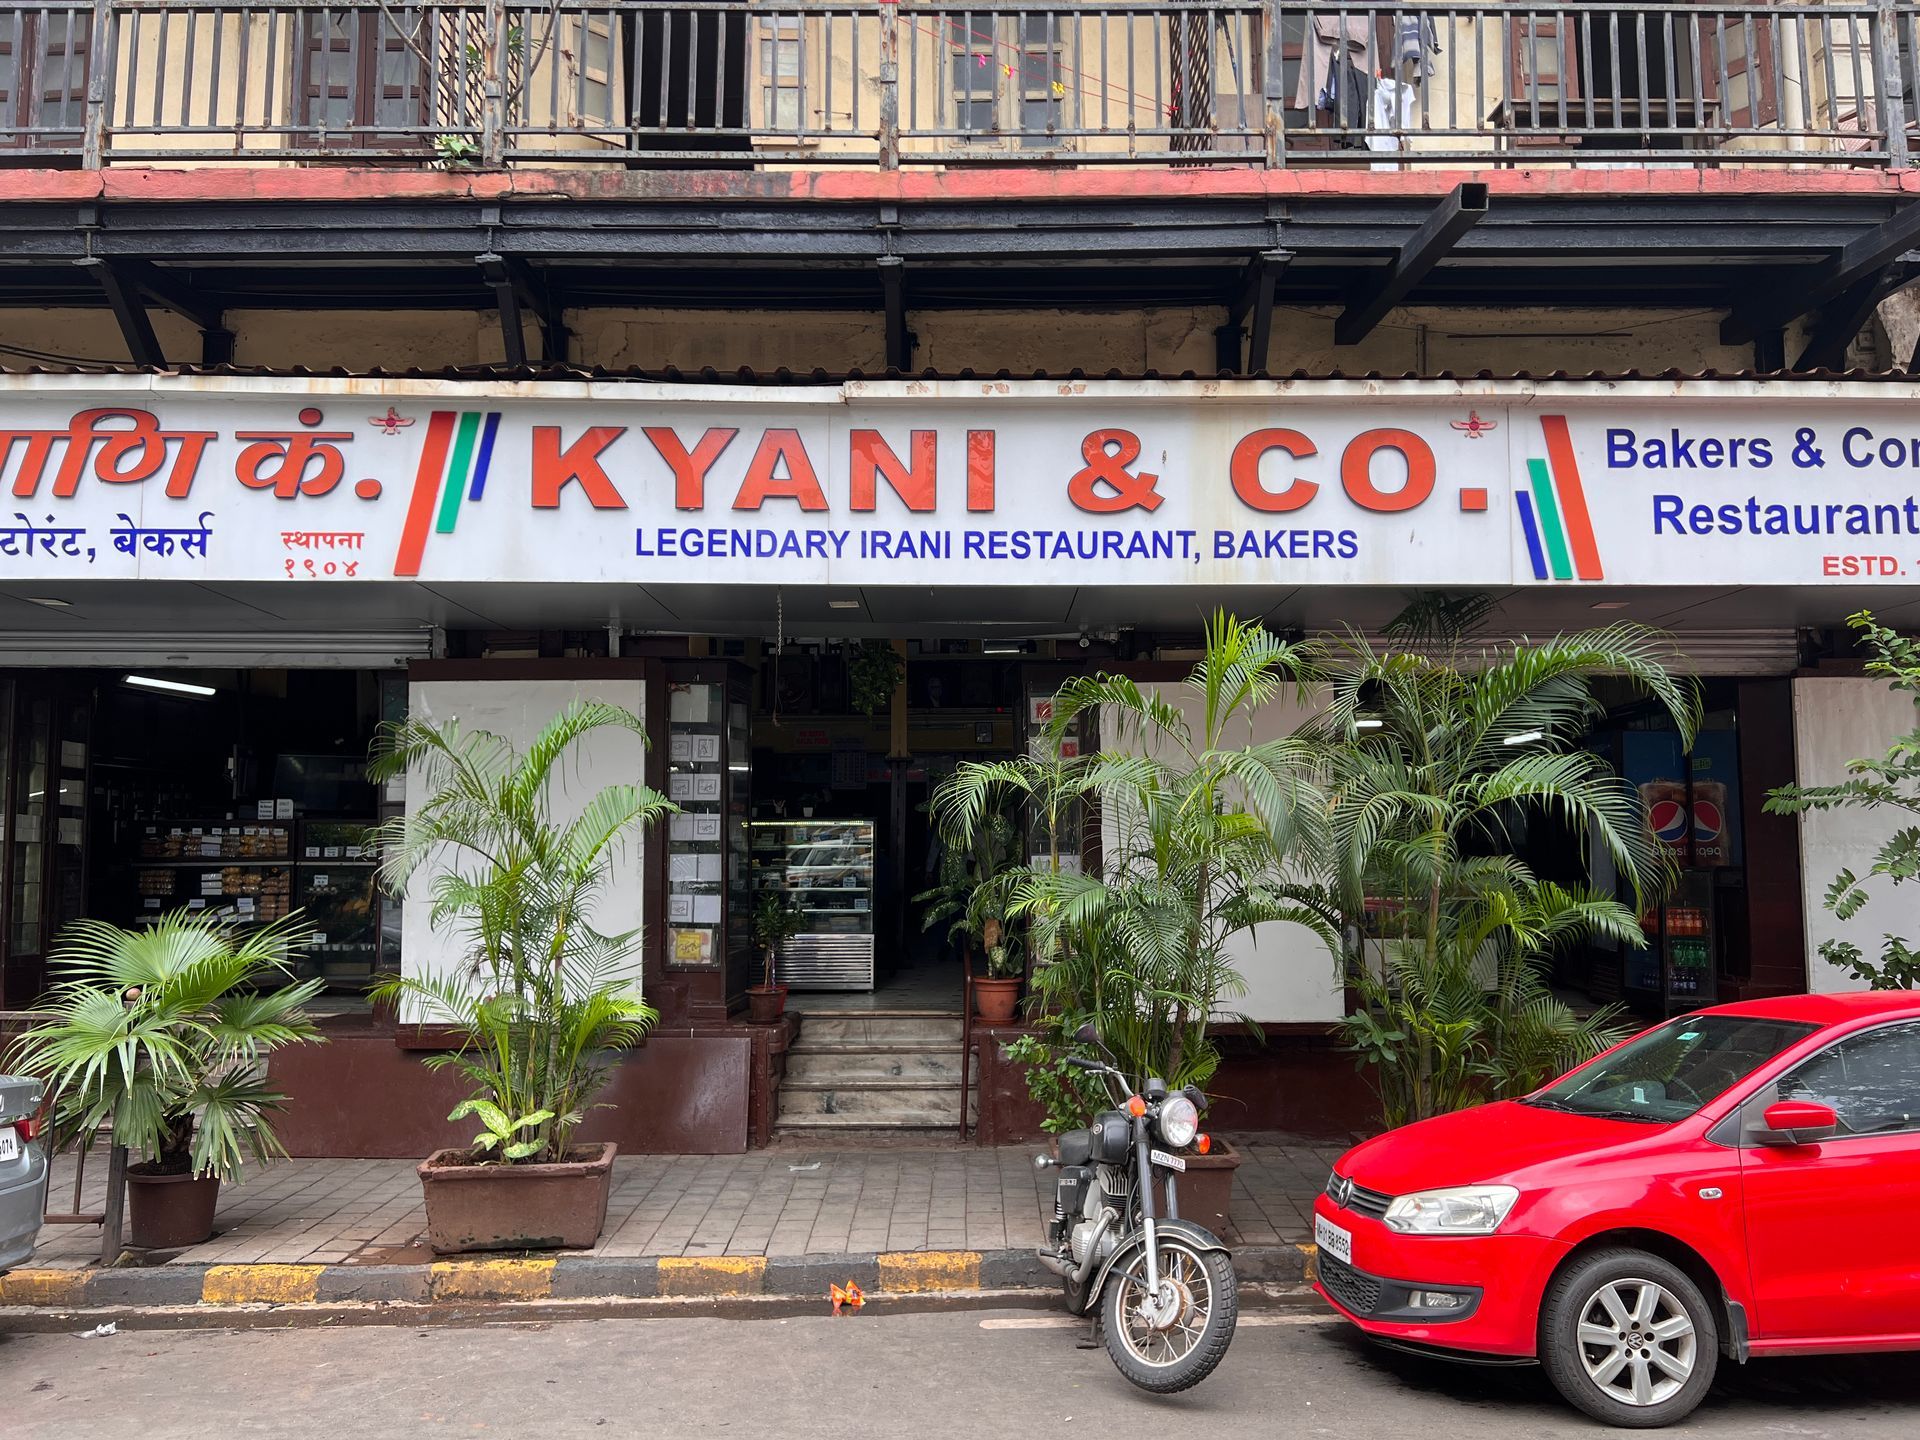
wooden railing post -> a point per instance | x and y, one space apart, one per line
1887 79
93 140
493 93
890 23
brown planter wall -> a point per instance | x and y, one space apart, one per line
362 1096
1298 1081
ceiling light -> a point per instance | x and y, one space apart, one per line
173 687
49 602
1609 604
1525 737
1368 724
843 604
1003 647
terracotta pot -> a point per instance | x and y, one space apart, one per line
994 1000
766 1003
169 1212
515 1207
1206 1189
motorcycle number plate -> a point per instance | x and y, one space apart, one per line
1172 1162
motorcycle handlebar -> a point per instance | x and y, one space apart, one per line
1080 1062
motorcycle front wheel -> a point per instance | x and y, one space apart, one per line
1171 1339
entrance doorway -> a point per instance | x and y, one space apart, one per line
817 759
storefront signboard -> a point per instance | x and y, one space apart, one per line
989 483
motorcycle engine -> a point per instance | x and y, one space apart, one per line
1109 1193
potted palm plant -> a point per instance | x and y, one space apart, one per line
158 1036
543 998
774 923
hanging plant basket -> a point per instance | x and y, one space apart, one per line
874 671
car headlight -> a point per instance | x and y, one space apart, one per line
1465 1210
1179 1122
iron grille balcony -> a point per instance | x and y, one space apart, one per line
891 83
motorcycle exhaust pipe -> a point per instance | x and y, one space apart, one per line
1064 1268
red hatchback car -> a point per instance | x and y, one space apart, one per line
1742 1181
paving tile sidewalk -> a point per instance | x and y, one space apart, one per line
791 1200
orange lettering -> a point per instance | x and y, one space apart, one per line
979 469
762 484
1356 470
1244 469
689 470
873 459
554 469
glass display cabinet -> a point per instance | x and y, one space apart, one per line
825 870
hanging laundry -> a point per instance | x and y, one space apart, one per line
1332 42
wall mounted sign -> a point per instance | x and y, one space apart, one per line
986 483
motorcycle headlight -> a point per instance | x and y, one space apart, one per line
1465 1210
1179 1122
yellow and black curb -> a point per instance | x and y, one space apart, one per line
508 1279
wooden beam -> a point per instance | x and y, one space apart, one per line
893 287
1856 260
1826 347
1462 209
130 311
506 300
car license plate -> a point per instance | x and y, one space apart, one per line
1172 1162
1332 1239
9 1143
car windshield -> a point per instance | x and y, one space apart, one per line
1672 1070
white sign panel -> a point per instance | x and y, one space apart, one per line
1121 483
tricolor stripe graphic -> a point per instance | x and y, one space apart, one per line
1553 511
454 459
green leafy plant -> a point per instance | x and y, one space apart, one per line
1891 782
544 996
1069 1097
1433 750
775 922
450 152
1202 839
1004 961
874 671
500 1130
159 1035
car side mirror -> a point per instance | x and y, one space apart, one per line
1798 1122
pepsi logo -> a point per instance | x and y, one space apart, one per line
1669 820
1707 820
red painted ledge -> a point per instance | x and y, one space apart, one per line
242 182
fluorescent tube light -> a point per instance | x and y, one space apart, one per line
1525 737
173 687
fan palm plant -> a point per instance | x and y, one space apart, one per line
543 995
1435 748
159 1035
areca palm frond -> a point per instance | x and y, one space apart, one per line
160 1035
545 992
1464 742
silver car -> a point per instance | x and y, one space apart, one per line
23 1170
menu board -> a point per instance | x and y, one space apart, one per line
696 848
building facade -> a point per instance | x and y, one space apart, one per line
467 358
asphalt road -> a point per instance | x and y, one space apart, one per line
957 1374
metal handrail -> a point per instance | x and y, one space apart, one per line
892 83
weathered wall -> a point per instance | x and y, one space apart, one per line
1837 719
518 710
1171 341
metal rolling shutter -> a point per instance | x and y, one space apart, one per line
218 649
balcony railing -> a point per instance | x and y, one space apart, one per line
931 82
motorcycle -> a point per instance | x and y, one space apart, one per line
1160 1290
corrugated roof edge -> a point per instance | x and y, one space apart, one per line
673 375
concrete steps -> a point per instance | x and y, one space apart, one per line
872 1071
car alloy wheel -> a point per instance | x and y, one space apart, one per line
1636 1341
1629 1337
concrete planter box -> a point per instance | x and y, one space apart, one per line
515 1207
1206 1190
